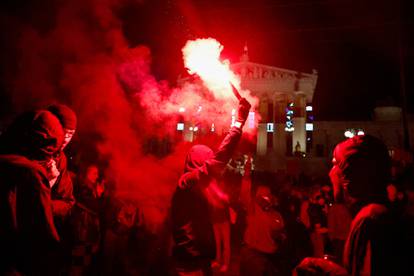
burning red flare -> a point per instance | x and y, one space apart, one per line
202 57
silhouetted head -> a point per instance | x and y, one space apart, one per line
361 169
67 118
37 135
197 156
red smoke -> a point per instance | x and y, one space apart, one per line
85 61
202 57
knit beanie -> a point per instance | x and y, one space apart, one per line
65 115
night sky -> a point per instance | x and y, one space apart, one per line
354 45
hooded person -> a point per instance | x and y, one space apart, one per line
67 118
193 234
28 236
360 174
375 243
62 186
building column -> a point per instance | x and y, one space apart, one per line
261 147
299 122
279 135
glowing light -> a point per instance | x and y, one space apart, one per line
348 134
309 127
199 108
361 132
289 118
270 127
191 128
250 119
181 109
195 129
309 108
202 57
212 127
180 126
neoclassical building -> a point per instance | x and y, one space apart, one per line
285 107
288 137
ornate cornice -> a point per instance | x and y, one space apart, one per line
264 79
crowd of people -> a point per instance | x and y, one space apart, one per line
225 218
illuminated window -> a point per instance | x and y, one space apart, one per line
309 127
270 127
180 126
250 119
349 134
309 108
289 118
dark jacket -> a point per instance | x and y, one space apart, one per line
27 231
376 235
62 192
192 227
28 235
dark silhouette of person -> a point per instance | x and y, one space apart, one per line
28 237
193 234
376 243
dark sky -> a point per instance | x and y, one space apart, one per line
354 45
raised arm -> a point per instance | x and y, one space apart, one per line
214 166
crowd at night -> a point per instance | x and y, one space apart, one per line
133 143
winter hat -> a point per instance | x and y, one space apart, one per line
65 115
365 164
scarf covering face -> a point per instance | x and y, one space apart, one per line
365 166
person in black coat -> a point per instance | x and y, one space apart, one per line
28 236
377 240
62 187
193 234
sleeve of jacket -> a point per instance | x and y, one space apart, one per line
356 251
214 166
62 192
36 206
62 197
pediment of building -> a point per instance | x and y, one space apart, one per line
268 80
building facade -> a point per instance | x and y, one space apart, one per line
288 137
285 107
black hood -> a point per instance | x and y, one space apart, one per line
37 135
197 156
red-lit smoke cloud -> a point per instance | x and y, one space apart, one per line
202 102
84 60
